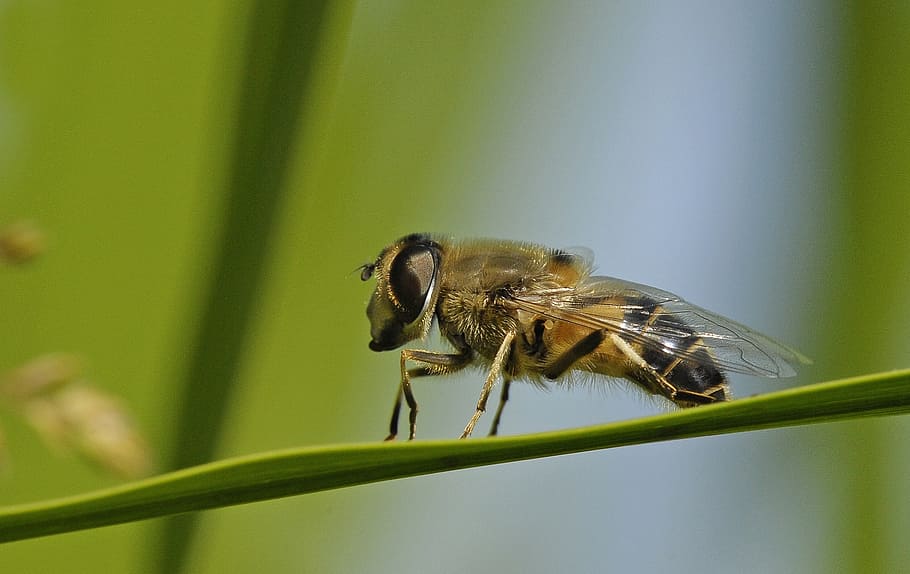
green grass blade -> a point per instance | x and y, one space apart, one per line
299 471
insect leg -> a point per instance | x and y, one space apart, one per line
498 362
435 364
503 399
583 347
658 383
396 411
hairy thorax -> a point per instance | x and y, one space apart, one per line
476 318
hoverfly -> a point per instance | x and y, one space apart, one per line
530 312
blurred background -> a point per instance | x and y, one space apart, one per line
751 157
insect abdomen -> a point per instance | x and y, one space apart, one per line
697 380
688 376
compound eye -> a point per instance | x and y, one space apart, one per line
410 278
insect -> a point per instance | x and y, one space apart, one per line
528 312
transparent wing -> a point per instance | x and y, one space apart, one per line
661 320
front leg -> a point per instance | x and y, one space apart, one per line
435 364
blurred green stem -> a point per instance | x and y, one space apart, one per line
872 259
283 39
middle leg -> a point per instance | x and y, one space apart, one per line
498 362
